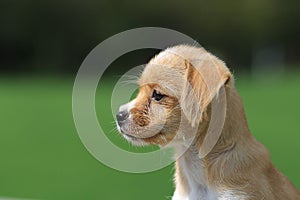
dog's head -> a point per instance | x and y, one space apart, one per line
175 88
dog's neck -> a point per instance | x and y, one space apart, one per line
202 174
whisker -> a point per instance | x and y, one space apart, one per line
113 122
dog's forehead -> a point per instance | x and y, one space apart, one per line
170 78
167 69
170 64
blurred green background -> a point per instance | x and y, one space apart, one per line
42 44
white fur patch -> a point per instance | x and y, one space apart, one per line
231 195
128 106
192 170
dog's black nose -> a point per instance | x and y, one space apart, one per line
122 116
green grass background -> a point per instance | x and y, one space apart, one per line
42 157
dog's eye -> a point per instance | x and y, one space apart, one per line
157 96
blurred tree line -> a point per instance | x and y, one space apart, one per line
55 36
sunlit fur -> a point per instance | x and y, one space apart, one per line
238 166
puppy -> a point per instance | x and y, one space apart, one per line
187 100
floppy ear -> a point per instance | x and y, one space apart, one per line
204 78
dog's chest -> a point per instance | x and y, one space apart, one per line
192 170
199 189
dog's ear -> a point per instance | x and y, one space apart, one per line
204 78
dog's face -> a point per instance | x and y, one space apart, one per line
165 100
151 118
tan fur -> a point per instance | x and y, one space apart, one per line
238 166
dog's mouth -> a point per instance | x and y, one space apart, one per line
131 136
126 135
149 139
140 138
